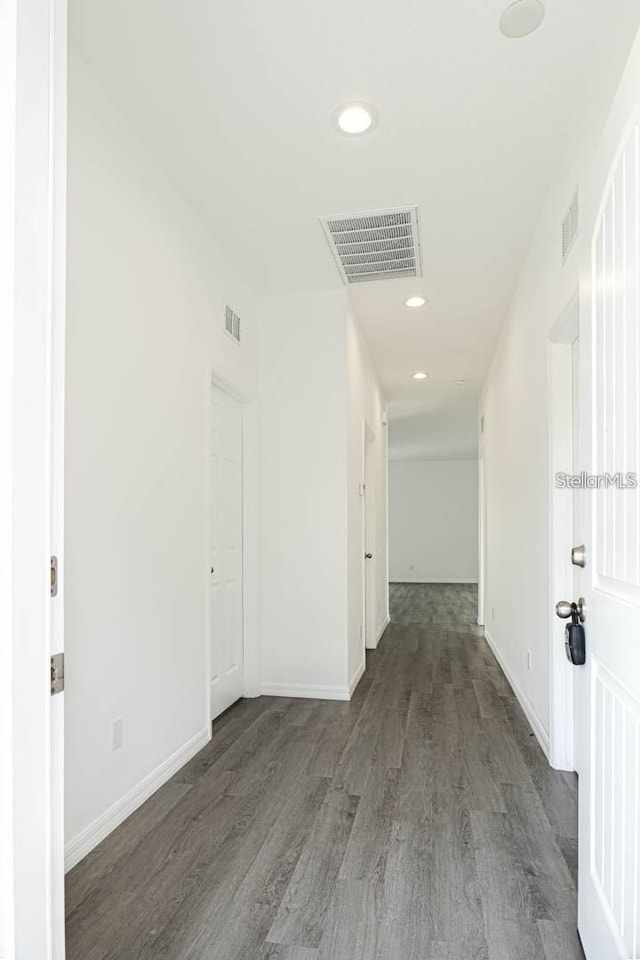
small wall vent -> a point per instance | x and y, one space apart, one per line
570 228
232 323
380 245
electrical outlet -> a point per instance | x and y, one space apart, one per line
528 659
116 733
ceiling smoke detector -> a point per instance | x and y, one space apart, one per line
381 245
522 18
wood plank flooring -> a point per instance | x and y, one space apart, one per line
420 821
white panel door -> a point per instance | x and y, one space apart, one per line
226 637
370 626
608 686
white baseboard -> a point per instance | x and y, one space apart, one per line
355 679
534 720
385 624
431 580
308 690
82 844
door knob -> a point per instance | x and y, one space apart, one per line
368 556
565 609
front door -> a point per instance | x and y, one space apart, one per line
226 633
608 686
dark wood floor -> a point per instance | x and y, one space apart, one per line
420 821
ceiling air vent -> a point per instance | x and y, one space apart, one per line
569 228
232 323
380 245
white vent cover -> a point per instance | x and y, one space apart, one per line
569 228
380 245
232 323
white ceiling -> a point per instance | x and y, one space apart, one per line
235 99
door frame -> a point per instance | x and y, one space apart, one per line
32 293
561 531
250 533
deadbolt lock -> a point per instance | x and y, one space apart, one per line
579 556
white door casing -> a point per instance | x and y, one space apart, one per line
564 531
225 551
575 744
58 337
608 686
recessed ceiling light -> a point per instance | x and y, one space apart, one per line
522 18
459 382
415 302
420 375
355 118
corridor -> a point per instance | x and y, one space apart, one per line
420 821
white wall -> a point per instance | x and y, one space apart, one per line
366 402
8 203
515 406
146 286
446 431
303 506
433 521
314 369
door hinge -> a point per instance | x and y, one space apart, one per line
57 673
54 576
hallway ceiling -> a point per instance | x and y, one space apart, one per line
235 100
